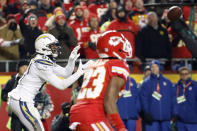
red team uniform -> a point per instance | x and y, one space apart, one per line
80 29
89 113
97 9
89 110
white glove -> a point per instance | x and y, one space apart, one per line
87 64
80 69
74 54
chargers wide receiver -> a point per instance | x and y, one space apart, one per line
41 69
96 108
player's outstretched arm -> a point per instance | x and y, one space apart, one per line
111 97
61 84
68 70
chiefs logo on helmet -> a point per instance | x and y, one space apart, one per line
114 44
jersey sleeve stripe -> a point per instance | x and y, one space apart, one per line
100 127
45 62
105 126
120 70
94 127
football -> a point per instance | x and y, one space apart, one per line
174 13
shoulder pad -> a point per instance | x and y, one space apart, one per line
44 62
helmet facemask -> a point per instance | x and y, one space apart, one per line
55 49
127 49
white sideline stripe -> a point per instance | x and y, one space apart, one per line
104 126
94 127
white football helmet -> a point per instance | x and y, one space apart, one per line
43 44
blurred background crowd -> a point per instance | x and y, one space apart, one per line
80 22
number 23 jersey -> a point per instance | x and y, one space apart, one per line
90 101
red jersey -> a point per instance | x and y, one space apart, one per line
92 36
129 29
80 29
90 101
97 9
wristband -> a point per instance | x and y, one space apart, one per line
116 121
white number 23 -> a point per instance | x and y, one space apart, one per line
97 77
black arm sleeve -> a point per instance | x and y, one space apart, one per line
60 124
7 88
55 126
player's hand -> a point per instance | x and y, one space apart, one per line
87 64
74 54
80 68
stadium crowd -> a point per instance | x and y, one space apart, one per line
80 22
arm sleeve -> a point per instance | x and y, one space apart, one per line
120 69
56 123
48 75
7 88
23 26
65 71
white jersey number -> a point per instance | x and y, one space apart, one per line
97 77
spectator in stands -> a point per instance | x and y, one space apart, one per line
128 4
42 18
80 27
46 7
30 32
24 6
186 104
92 36
146 74
138 14
61 121
6 43
129 104
10 32
12 8
152 40
164 19
16 125
157 100
110 14
124 25
99 7
50 23
64 34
